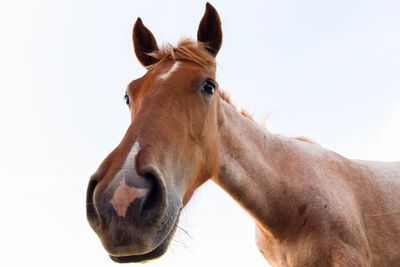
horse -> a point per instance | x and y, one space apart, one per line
311 206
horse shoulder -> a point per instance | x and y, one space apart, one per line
379 200
326 226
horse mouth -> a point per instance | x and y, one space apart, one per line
154 254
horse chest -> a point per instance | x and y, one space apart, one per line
276 253
314 249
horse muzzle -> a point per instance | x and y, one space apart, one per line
132 215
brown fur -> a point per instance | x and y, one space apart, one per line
186 50
312 207
190 51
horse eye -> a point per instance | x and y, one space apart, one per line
126 99
208 87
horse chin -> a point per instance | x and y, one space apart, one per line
154 254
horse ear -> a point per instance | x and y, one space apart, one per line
210 31
144 43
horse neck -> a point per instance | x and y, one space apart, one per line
253 166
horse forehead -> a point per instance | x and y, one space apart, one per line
171 75
174 70
170 70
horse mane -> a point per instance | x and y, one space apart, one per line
225 97
306 139
186 50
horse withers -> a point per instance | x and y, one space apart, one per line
311 206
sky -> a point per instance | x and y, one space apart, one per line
328 70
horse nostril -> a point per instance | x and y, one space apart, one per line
154 197
90 207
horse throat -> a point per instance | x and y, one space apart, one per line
252 165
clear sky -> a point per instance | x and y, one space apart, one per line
325 69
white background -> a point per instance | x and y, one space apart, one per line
325 69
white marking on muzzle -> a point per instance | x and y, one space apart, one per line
123 194
174 67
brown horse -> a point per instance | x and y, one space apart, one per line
311 206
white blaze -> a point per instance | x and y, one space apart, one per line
174 67
124 195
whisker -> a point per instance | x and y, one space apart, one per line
180 243
185 231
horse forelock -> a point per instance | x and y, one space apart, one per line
186 50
